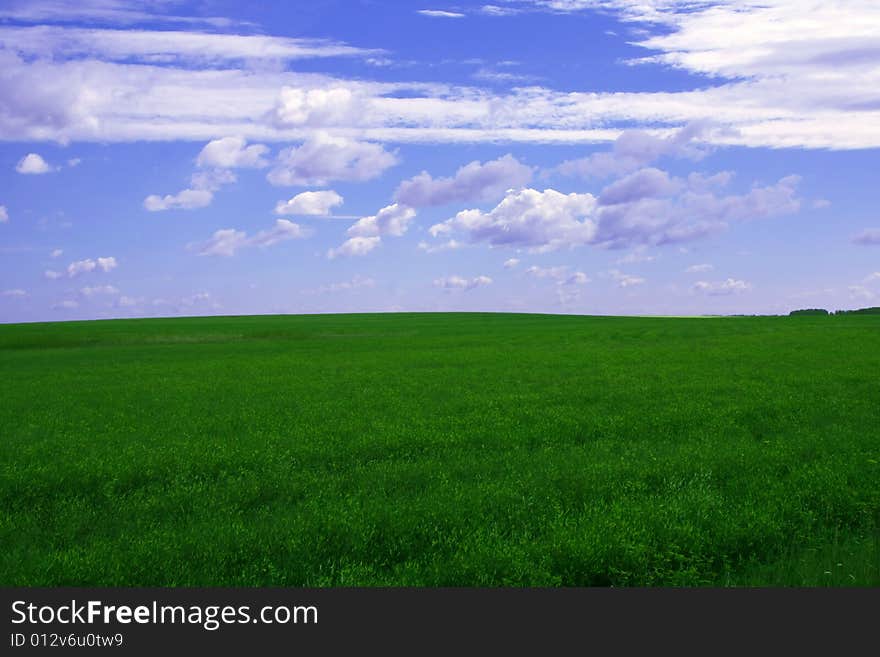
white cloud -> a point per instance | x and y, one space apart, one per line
355 283
14 293
167 46
355 246
52 275
495 10
644 183
319 107
638 255
4 214
391 220
529 218
32 164
729 286
107 264
224 242
439 13
510 263
449 245
227 241
187 199
56 253
68 304
472 182
212 179
647 214
98 289
860 292
458 283
695 269
199 195
232 152
772 74
625 280
85 266
324 158
577 278
634 149
74 162
559 274
122 12
310 204
81 267
868 237
197 298
128 302
547 272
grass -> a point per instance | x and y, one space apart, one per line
441 449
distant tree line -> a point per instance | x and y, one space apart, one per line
822 311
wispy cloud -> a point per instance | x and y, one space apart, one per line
228 241
439 13
459 283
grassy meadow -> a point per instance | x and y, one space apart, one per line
441 449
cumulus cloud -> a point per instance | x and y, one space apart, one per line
52 275
695 269
529 218
355 246
14 293
4 214
867 237
107 264
56 253
88 265
310 204
391 220
645 183
510 263
32 164
200 194
472 182
458 283
68 304
634 149
324 158
227 241
718 288
645 218
319 107
232 152
187 199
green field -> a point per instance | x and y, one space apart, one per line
441 449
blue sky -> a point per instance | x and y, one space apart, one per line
166 158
